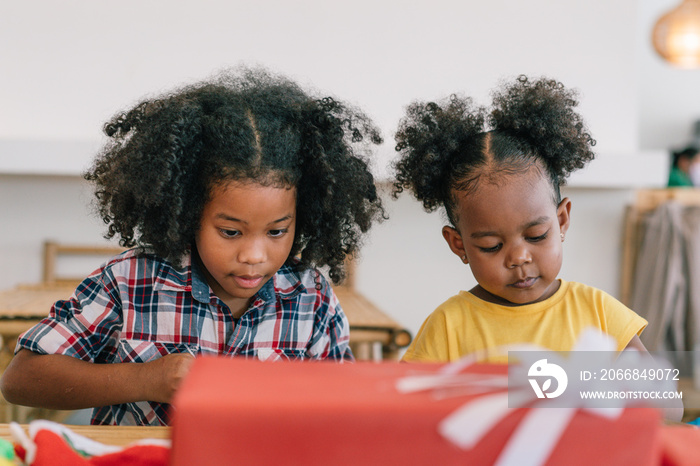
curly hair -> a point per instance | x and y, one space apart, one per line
449 146
165 156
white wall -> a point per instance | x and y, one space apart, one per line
73 64
38 208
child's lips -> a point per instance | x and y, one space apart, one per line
248 281
525 283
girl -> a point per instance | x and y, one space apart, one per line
233 191
507 220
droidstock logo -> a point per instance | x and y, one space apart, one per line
544 371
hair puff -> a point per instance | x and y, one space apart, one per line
542 114
430 140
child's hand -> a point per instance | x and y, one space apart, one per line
165 374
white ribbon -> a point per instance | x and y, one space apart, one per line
537 435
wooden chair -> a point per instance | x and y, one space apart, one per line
54 251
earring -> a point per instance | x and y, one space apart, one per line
464 258
562 237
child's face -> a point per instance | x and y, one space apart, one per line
510 234
245 236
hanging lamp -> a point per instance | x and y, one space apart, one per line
676 35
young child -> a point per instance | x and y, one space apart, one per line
507 220
234 191
685 168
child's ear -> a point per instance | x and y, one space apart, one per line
564 214
454 241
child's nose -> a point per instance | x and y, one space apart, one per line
518 256
252 252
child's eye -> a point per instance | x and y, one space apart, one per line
230 233
278 233
492 249
535 239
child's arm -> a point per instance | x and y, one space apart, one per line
670 414
64 382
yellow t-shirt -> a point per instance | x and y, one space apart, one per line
465 324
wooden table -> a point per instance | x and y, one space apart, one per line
32 300
21 308
373 334
109 435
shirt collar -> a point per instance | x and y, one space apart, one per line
267 292
172 279
200 287
201 291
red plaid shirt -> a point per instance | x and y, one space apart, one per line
137 308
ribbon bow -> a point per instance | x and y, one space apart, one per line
537 435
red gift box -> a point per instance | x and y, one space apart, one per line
235 411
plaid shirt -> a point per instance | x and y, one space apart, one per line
137 308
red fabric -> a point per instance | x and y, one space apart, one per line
52 450
137 455
680 446
20 452
323 413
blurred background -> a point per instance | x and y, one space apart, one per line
67 67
